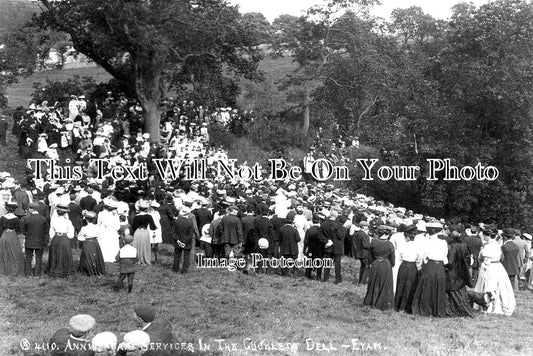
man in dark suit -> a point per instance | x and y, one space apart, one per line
42 208
361 252
524 252
184 230
22 199
230 232
74 214
333 231
474 243
248 231
159 330
203 215
314 246
511 255
289 240
264 230
88 202
35 227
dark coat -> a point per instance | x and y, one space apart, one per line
230 230
74 215
512 260
67 345
160 331
265 230
474 244
88 203
167 218
184 231
335 232
457 272
36 229
314 242
361 245
289 241
43 210
203 216
249 233
277 223
382 249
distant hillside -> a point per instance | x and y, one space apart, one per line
15 12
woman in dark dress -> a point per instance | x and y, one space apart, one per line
91 259
11 257
167 217
60 262
408 274
380 293
430 295
458 276
141 235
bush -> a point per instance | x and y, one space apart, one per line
60 92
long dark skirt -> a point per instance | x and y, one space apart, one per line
458 304
430 295
60 263
11 257
91 259
380 293
406 284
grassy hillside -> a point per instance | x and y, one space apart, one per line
19 94
15 12
218 304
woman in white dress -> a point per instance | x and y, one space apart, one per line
494 279
109 223
156 237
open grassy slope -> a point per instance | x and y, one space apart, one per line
218 304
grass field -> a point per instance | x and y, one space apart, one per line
20 93
218 304
211 305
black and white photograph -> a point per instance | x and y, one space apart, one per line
249 177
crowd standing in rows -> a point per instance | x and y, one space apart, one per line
409 262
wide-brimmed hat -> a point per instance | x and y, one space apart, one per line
62 208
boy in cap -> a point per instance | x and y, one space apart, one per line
73 341
127 259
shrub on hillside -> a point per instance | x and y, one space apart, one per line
60 92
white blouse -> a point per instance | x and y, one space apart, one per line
436 249
61 225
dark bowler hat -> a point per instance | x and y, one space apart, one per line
508 233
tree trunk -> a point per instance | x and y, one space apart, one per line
306 118
152 117
147 88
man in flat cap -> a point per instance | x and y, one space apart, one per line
159 330
74 340
36 228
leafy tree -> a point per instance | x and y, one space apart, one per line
310 40
140 42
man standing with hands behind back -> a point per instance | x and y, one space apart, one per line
35 227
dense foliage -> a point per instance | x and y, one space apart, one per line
412 89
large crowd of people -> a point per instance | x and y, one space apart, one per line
409 262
